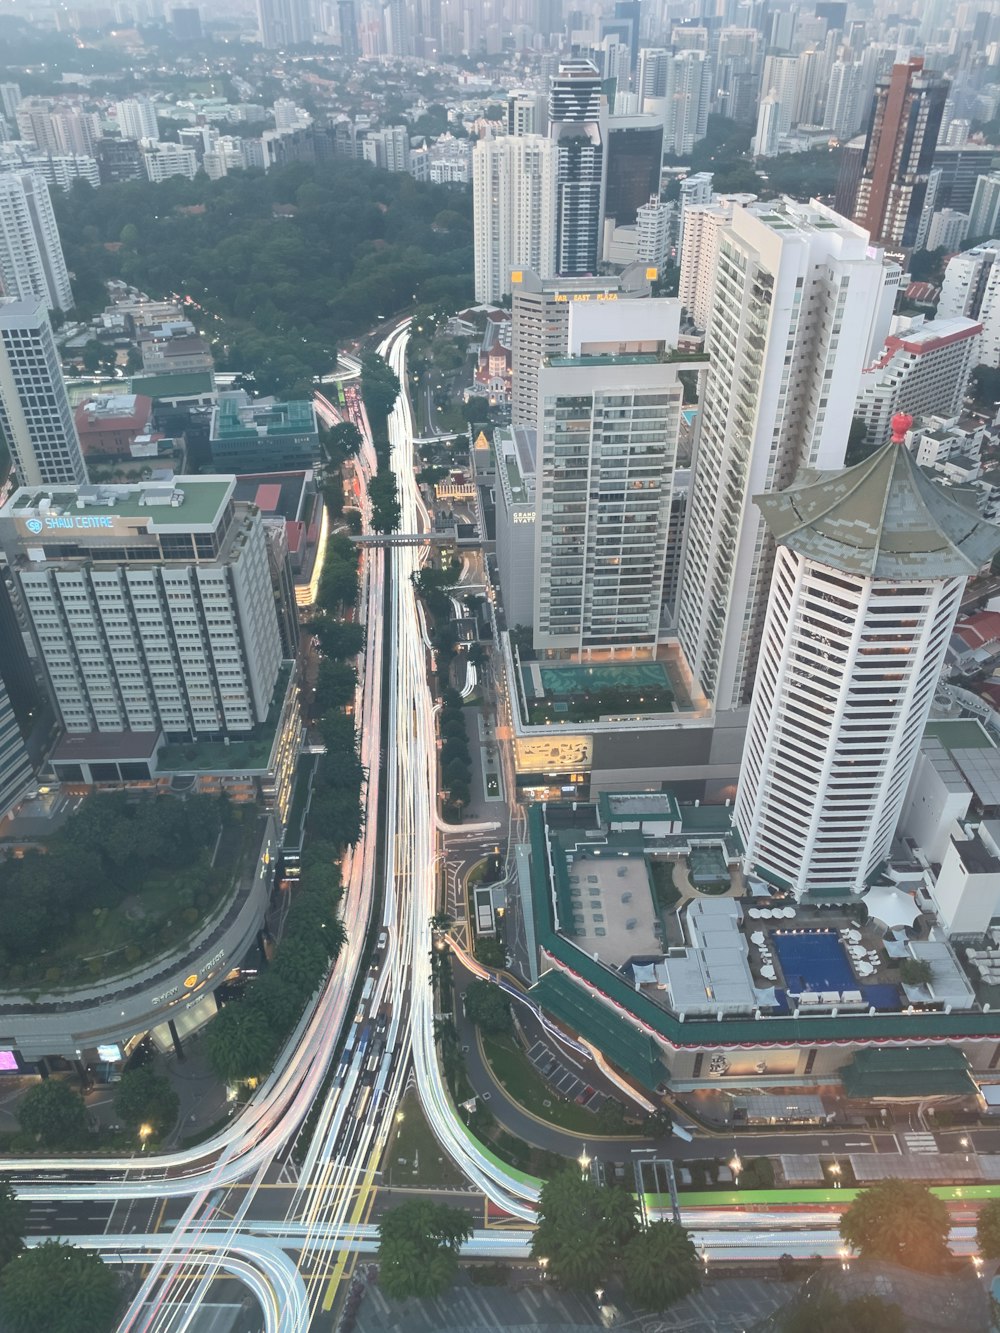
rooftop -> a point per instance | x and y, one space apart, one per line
236 419
184 502
880 519
196 384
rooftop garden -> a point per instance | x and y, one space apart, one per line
120 882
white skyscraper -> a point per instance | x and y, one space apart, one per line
35 415
781 77
704 225
796 295
514 208
152 604
694 189
652 223
869 572
137 118
845 112
31 256
578 129
767 137
609 418
984 214
651 80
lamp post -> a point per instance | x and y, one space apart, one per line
584 1159
736 1166
836 1172
964 1141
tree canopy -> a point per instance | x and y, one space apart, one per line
58 1288
419 1243
281 266
144 1097
900 1221
988 1230
487 1007
583 1229
13 1223
54 1113
660 1266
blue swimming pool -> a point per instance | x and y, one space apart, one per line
813 960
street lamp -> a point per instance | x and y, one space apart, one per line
144 1133
966 1145
736 1166
599 1293
835 1171
845 1257
584 1159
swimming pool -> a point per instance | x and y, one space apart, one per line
813 960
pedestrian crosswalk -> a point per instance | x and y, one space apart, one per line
925 1143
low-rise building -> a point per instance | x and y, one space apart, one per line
263 435
110 424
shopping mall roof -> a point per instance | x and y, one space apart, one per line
905 1072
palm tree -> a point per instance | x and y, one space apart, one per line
660 1266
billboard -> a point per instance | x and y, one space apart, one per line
71 525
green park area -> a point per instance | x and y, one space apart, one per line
414 1158
584 693
122 881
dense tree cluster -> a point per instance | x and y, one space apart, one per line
147 1100
243 1040
456 760
900 1222
419 1243
103 853
725 152
590 1233
53 1114
281 266
488 1007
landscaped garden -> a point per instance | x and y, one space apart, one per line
120 882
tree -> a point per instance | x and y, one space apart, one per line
915 971
54 1113
339 638
144 1097
383 493
335 685
582 1229
824 1312
13 1223
58 1288
660 1266
342 441
487 1007
899 1221
240 1042
419 1243
988 1230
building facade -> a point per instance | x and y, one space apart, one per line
31 255
151 605
871 565
578 130
35 416
514 208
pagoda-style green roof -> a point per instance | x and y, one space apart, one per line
881 519
907 1072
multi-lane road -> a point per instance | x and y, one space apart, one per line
241 1205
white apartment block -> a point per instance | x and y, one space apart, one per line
170 159
607 446
35 415
947 230
924 372
514 209
151 605
796 295
689 92
704 225
652 225
540 310
59 170
31 256
871 565
137 118
984 215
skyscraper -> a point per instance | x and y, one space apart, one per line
35 414
151 604
689 92
704 227
796 295
985 213
15 766
578 130
899 153
347 20
31 256
137 118
514 192
870 568
609 418
635 157
540 324
284 23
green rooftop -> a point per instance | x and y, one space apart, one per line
907 1071
251 755
195 384
631 1050
960 734
234 420
203 499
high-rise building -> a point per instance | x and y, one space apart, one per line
540 308
578 130
923 372
870 568
388 148
35 415
57 131
635 156
284 23
347 21
151 604
947 229
609 419
652 225
514 192
694 190
984 215
120 160
526 112
137 118
970 285
164 160
10 100
651 80
704 227
899 153
767 136
844 112
31 256
797 292
15 766
781 77
687 99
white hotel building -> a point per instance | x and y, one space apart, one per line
871 565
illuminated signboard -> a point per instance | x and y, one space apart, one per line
67 525
8 1062
109 1054
523 518
586 296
